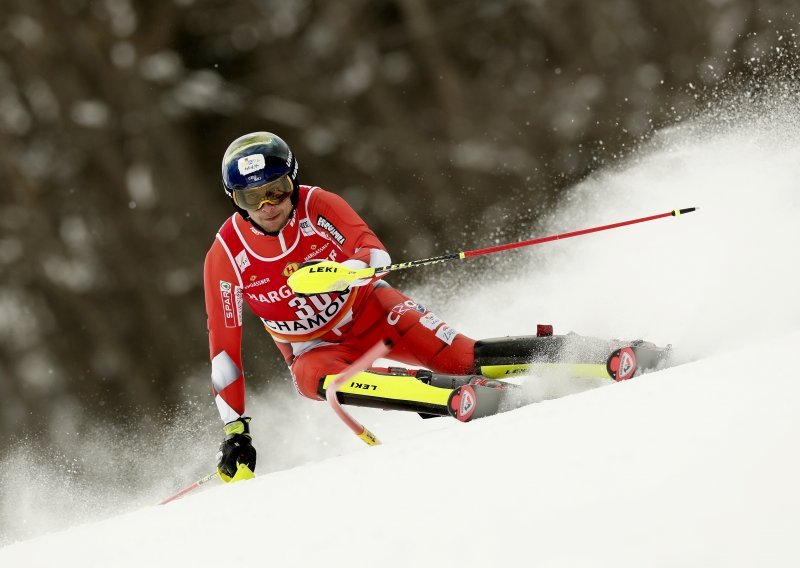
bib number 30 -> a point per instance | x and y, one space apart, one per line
305 310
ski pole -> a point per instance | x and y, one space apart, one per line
329 276
192 487
375 352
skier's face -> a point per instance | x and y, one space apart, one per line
272 218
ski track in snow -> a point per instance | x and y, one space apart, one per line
694 468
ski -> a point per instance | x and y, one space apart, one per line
479 398
483 397
639 357
467 397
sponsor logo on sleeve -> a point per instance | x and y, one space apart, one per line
430 321
399 310
242 261
239 302
230 303
331 229
446 334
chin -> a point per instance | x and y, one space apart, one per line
273 225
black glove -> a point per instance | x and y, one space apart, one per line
236 449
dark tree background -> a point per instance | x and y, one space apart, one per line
443 122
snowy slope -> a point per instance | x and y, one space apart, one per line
692 466
696 465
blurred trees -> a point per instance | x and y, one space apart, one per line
440 121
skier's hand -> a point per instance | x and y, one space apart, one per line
236 459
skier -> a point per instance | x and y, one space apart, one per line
278 226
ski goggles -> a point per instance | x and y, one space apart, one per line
274 192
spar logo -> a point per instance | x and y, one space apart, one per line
231 303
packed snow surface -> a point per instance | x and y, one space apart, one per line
693 466
696 465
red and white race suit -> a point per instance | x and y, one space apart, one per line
317 335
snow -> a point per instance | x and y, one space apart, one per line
692 466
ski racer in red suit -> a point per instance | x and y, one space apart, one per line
278 226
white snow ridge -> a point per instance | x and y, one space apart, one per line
693 466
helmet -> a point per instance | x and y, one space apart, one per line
255 159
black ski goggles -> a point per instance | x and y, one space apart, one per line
274 192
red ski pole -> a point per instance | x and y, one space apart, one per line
529 242
375 352
192 487
329 276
